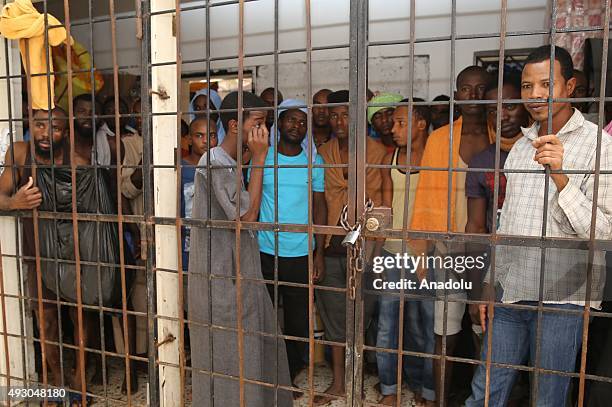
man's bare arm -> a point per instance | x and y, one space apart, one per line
28 196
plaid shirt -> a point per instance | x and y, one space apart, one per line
569 216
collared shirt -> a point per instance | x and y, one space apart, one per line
569 216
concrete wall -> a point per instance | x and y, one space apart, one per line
389 20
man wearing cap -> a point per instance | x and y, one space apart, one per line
293 188
381 118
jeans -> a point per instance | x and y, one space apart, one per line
418 337
514 339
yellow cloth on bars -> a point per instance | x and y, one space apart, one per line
21 21
81 81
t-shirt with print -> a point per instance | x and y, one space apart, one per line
481 184
293 190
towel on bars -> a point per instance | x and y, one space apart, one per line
19 20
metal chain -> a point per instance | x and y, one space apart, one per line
355 259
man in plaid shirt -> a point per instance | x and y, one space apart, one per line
572 145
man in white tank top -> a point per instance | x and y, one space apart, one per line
418 314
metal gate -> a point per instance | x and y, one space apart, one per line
168 367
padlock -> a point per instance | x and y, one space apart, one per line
351 237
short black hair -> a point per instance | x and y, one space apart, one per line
512 78
420 110
57 110
542 54
110 100
328 91
339 96
199 119
184 128
85 97
279 95
441 98
249 101
473 69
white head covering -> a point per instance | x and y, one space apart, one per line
215 100
290 104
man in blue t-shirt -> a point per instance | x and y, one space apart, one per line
293 188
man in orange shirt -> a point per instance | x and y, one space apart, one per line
432 208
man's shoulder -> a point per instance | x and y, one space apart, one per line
326 149
586 139
439 137
375 151
592 130
441 131
216 156
486 158
20 151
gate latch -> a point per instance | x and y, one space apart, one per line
353 241
379 219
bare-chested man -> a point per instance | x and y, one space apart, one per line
18 192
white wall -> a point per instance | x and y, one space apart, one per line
389 20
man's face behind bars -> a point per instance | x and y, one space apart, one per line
83 121
535 84
45 139
339 121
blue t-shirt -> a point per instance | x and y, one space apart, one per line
187 191
293 193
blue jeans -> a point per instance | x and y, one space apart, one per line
514 339
418 337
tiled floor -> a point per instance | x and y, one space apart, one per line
322 379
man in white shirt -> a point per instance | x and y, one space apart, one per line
572 145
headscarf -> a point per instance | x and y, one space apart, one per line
215 100
289 104
382 98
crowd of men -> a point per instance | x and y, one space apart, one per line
296 174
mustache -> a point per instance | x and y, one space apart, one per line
84 131
55 146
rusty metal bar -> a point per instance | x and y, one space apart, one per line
209 212
36 234
600 125
4 326
310 152
238 201
491 304
118 144
453 39
92 81
276 235
405 219
534 382
356 193
74 209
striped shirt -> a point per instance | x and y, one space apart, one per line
569 216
